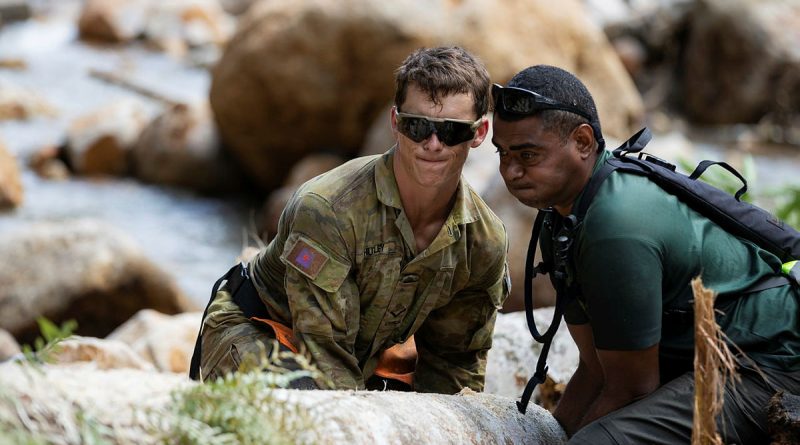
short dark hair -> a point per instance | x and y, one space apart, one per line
441 72
564 87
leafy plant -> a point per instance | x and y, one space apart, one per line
784 202
44 346
787 206
240 408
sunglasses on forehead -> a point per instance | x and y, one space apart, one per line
524 102
450 131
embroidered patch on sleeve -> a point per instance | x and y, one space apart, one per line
307 259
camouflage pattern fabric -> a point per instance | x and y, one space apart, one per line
344 273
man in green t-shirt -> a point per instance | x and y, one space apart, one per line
631 263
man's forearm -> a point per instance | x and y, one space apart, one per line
579 396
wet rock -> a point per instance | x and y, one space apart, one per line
55 398
100 142
113 21
632 53
324 92
783 418
166 341
22 104
180 25
11 191
512 359
48 163
740 62
103 354
14 10
8 346
309 167
78 269
181 148
194 28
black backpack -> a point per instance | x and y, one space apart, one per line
739 218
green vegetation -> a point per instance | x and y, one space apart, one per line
783 202
240 408
45 346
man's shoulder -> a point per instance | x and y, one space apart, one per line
625 197
484 214
334 185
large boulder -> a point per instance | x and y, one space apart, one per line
100 142
512 359
11 191
307 168
175 25
102 354
300 77
112 20
180 147
166 341
8 345
133 406
742 60
21 104
83 270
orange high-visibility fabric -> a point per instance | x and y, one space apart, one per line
283 334
399 362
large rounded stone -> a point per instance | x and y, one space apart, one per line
742 61
181 148
310 75
82 270
166 341
100 142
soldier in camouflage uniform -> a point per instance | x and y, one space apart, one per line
384 248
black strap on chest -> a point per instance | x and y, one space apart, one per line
558 270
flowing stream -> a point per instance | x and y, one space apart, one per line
194 238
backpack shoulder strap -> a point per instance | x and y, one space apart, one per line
635 144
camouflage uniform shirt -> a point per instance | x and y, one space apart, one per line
344 273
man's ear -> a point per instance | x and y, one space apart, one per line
481 132
393 122
584 140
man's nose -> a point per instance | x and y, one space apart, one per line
433 143
512 170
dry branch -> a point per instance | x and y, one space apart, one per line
713 366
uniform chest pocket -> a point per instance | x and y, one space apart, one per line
379 268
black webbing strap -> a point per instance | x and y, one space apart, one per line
547 338
768 283
235 271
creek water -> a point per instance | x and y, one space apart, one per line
194 238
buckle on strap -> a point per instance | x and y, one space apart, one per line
538 377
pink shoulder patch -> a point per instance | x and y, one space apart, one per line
307 259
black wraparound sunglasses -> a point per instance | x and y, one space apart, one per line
524 102
450 131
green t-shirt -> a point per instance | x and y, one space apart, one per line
635 255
